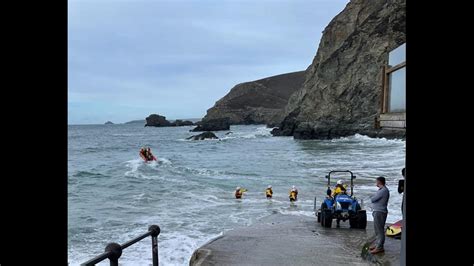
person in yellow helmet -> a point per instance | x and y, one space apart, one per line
269 192
293 194
339 189
239 192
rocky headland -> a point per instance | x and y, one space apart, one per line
342 92
256 102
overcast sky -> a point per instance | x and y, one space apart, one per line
130 58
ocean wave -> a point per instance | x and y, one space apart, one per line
258 133
164 161
297 212
83 230
197 141
137 164
367 139
129 134
142 197
177 248
133 164
88 174
198 171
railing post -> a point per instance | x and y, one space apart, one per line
155 231
116 252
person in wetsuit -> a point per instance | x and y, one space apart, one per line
293 194
238 192
269 192
149 156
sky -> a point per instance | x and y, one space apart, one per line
128 59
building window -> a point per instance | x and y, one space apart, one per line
397 56
394 83
396 103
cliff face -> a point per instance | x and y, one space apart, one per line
342 92
256 102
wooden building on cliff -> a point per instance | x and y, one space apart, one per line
392 109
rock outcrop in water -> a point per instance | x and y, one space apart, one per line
108 123
155 120
216 124
256 102
179 123
342 92
203 136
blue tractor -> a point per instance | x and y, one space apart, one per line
342 207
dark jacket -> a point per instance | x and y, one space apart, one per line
401 185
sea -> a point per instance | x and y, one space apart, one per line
113 195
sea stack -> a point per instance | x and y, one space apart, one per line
155 120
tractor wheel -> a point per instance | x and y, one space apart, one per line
353 221
326 218
362 219
320 214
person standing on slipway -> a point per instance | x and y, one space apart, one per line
401 189
380 211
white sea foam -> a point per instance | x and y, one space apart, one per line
297 212
163 161
128 134
138 166
133 165
257 133
364 140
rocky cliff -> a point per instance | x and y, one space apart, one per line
256 102
342 91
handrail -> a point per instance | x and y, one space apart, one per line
113 251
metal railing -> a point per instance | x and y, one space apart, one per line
113 251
